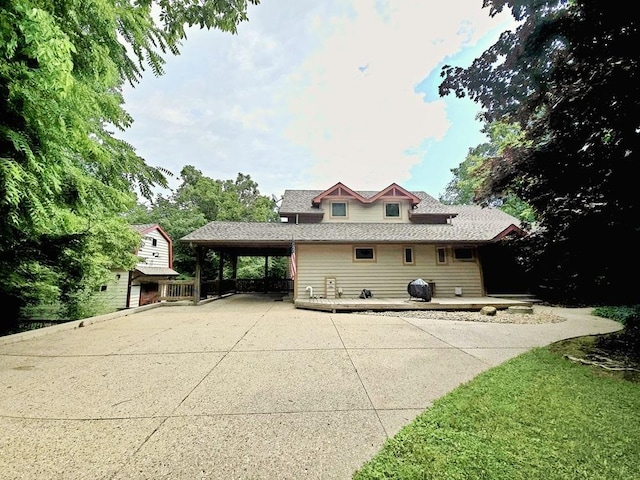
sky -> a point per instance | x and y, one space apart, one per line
309 93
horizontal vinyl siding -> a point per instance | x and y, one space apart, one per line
147 250
115 296
387 276
365 213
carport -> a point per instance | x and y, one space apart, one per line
228 252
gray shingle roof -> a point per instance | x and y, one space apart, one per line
164 271
474 224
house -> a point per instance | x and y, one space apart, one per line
139 286
342 241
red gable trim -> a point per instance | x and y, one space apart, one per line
338 190
392 191
511 229
395 191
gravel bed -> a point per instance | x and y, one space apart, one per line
501 316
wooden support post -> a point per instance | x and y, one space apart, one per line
197 287
234 268
220 271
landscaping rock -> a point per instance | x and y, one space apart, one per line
489 310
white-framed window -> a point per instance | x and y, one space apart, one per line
154 242
441 256
463 254
408 256
392 210
339 209
364 254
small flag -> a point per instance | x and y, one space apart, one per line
292 263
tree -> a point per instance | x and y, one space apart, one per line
470 175
235 200
568 76
62 172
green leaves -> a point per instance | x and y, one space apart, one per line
568 77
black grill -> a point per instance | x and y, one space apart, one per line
418 288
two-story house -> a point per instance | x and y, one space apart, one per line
342 241
128 289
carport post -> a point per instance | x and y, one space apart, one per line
197 286
266 273
234 265
220 271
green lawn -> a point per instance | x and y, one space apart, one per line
538 416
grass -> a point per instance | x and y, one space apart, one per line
538 416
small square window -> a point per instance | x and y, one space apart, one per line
338 209
441 255
408 256
464 254
364 254
103 288
392 210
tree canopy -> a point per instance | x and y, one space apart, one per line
64 176
469 176
568 76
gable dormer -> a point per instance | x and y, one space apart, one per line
342 204
393 191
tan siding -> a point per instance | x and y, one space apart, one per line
157 256
115 296
386 277
365 213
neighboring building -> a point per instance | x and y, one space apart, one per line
128 289
346 241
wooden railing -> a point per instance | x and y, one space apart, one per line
175 290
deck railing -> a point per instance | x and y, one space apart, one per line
175 290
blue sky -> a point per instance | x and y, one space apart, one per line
310 93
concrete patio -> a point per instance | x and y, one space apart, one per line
242 387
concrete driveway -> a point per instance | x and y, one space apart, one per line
244 387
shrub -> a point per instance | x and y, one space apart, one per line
626 314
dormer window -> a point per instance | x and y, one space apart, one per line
339 209
392 210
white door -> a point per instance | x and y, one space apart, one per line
134 297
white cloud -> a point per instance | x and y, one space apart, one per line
307 93
353 100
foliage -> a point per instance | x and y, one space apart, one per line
62 171
624 344
472 172
219 200
624 314
567 77
537 416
